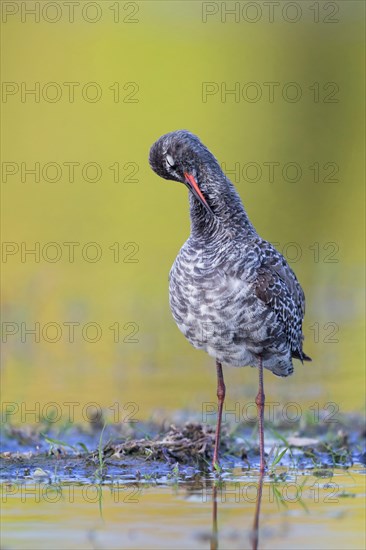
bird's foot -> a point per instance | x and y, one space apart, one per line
216 466
262 468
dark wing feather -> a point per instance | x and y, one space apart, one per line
277 286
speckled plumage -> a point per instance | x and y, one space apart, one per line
232 293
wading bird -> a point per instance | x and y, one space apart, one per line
231 293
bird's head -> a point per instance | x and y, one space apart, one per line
180 156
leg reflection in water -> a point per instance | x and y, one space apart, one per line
255 530
254 537
214 540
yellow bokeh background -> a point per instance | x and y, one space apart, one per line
161 62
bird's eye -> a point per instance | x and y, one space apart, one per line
170 161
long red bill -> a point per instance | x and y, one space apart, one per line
196 190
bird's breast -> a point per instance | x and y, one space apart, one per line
214 306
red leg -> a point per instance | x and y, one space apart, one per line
260 407
221 397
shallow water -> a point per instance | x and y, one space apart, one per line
300 512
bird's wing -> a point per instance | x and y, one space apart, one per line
277 286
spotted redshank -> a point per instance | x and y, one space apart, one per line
232 293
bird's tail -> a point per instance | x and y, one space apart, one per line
299 354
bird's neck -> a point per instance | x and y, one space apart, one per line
229 218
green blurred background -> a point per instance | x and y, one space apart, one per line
167 54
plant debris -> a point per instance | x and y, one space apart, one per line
153 450
177 445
